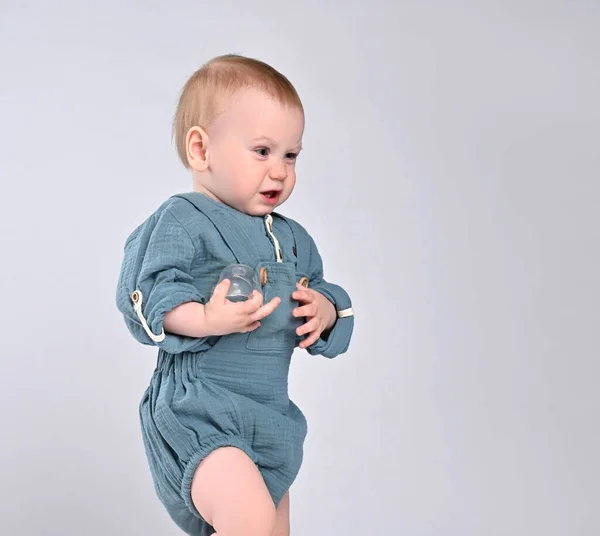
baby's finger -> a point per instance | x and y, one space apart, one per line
266 309
252 304
251 327
221 290
303 296
307 310
311 325
313 338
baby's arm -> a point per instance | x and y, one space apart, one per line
155 279
187 319
219 316
336 340
159 301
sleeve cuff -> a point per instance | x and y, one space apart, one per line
153 327
338 339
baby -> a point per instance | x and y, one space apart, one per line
223 440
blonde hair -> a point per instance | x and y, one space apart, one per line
221 77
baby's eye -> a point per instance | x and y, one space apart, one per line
291 156
262 151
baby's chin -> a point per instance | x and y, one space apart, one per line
259 212
260 209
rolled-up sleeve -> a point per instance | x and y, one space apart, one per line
337 340
155 278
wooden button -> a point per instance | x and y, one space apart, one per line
304 282
263 275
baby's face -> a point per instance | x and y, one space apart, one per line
252 152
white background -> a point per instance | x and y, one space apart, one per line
450 178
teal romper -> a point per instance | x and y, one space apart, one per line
232 390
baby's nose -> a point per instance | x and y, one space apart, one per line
278 171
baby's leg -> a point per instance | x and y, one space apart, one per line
282 518
230 494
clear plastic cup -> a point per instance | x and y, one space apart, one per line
244 281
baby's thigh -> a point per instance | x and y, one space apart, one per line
230 494
282 517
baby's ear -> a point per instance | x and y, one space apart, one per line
196 143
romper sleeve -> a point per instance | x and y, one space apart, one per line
335 341
155 278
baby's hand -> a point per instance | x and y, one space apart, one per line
224 317
319 311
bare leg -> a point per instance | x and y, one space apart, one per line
230 494
282 517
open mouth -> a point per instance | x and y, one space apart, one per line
271 196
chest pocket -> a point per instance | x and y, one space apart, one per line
278 330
